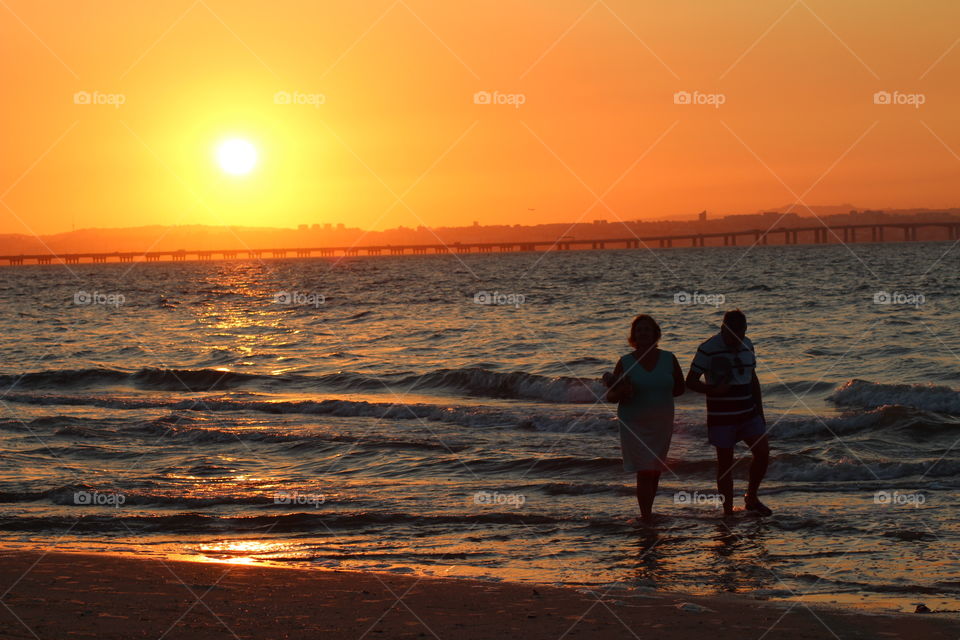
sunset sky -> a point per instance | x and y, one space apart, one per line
384 129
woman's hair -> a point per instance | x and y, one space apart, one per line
643 318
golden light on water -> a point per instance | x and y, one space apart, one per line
238 551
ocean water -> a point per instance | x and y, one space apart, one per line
371 413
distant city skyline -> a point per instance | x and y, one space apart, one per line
162 238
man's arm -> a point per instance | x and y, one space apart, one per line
693 382
757 396
698 368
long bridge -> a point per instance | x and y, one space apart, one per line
886 232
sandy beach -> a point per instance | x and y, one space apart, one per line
59 595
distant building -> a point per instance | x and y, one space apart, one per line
303 227
599 222
340 226
702 217
315 226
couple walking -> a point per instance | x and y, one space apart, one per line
644 384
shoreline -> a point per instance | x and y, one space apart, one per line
58 594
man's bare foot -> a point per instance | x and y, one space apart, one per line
753 505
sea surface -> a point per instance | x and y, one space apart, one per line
440 415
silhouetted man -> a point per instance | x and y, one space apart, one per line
734 406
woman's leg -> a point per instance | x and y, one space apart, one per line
647 483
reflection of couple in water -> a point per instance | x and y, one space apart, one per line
644 384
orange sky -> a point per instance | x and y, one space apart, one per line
398 119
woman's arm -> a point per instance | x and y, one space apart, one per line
618 388
678 386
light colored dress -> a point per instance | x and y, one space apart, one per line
646 419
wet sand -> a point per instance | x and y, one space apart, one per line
59 595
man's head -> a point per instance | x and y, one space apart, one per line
734 327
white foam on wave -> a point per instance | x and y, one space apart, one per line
558 421
872 395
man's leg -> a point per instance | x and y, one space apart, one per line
725 477
760 448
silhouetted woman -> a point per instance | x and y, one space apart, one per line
644 384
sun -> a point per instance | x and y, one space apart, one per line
236 156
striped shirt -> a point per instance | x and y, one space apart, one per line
731 365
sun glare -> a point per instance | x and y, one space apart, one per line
236 156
